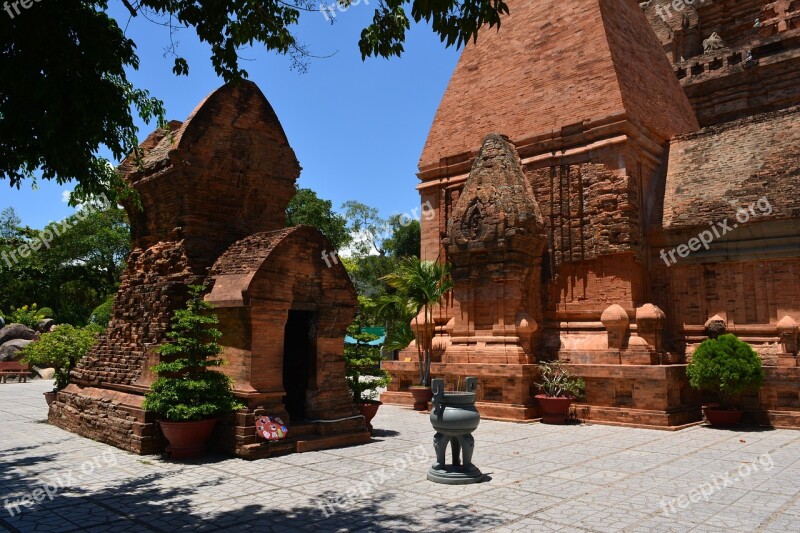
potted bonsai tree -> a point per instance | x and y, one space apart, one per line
423 285
363 372
189 396
727 367
559 388
60 349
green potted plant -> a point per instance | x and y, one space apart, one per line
189 396
363 372
727 367
423 285
559 388
60 349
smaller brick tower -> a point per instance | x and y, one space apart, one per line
495 243
213 193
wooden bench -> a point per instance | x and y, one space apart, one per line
9 369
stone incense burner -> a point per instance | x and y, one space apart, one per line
454 417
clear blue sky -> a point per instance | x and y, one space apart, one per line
357 128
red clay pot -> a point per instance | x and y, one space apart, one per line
722 417
187 440
422 396
369 408
50 396
555 409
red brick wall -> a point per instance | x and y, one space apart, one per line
558 63
735 163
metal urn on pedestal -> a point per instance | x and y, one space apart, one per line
454 417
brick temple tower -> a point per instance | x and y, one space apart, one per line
213 193
642 128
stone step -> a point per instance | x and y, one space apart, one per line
321 442
302 443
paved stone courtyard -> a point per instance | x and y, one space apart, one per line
542 478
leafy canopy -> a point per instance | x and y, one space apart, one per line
307 208
66 93
405 238
422 285
726 366
70 266
187 387
61 349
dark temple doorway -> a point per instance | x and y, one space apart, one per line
297 362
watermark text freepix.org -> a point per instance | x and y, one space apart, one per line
339 5
45 237
58 482
728 479
15 5
346 499
665 11
426 211
718 229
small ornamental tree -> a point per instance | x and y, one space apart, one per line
187 388
726 366
362 364
61 349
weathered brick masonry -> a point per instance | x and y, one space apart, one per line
604 101
213 191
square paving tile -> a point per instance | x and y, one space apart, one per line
587 477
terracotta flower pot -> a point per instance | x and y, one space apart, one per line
50 396
555 409
422 396
722 417
369 408
187 439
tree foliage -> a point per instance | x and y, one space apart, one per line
366 227
726 366
65 94
70 266
9 224
307 208
65 89
405 237
422 285
187 387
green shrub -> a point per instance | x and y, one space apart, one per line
46 312
102 313
61 349
557 382
25 315
726 366
187 388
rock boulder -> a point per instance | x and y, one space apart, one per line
16 331
9 351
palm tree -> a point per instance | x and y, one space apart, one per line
398 315
423 285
